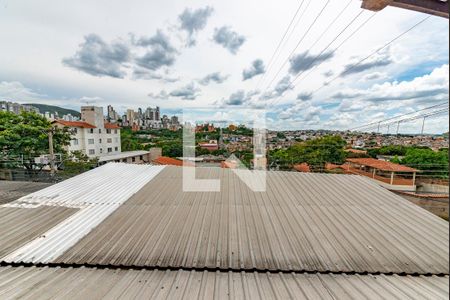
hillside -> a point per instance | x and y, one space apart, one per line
53 109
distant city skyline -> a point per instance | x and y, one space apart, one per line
214 54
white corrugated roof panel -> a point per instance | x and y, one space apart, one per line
97 193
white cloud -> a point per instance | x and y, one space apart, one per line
16 91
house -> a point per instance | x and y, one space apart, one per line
92 135
211 145
390 175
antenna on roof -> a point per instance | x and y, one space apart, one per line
88 101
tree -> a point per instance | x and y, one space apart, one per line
316 153
128 141
76 163
171 148
433 162
26 135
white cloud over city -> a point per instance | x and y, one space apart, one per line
198 54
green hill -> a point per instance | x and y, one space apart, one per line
55 109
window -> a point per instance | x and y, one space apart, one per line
101 150
141 157
99 141
115 131
90 141
91 151
109 140
108 130
99 131
75 142
109 150
75 130
133 159
91 130
116 148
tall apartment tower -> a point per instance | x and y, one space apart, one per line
157 115
93 115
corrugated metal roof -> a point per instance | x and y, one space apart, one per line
315 222
97 193
122 155
18 226
86 283
112 183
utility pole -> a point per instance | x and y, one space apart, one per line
50 150
378 131
423 125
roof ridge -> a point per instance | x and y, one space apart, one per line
210 269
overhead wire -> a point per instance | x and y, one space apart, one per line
298 44
339 46
400 116
375 52
291 85
281 41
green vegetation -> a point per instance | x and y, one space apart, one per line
388 150
76 163
129 141
431 162
25 135
169 141
315 152
55 109
240 130
392 150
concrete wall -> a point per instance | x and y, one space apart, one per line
432 188
438 207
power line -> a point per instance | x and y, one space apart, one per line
311 63
425 115
375 52
396 117
298 44
281 41
339 46
291 85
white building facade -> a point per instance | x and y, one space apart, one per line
92 135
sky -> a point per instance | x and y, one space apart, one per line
212 58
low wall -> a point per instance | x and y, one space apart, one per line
437 206
432 188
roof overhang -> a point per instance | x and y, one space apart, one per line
432 7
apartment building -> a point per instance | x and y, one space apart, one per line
92 135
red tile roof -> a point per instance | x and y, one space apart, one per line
381 165
356 151
80 124
303 167
164 160
228 164
111 126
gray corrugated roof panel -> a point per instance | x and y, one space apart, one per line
18 226
314 222
91 283
97 194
